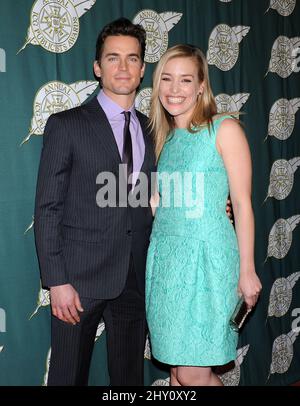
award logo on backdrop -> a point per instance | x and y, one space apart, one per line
143 99
2 60
45 380
57 96
282 118
283 7
223 45
147 352
54 24
100 329
30 227
43 300
281 236
232 377
226 103
2 321
282 178
2 324
283 352
281 295
161 382
283 56
157 27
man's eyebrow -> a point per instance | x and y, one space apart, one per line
112 54
116 54
133 54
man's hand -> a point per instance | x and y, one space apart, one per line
229 210
65 303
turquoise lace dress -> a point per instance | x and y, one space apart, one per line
193 259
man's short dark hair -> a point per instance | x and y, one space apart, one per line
122 26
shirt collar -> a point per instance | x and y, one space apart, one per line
112 109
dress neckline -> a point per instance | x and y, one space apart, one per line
201 128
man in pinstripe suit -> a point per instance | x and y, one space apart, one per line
93 258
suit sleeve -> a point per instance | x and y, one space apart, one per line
52 185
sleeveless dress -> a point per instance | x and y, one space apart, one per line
193 259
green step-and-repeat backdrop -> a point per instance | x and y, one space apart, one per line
253 50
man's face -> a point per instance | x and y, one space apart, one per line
120 66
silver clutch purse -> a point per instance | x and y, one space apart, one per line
239 315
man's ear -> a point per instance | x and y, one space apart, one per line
143 70
97 69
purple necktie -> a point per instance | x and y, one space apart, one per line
127 147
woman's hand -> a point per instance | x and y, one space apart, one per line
249 286
154 202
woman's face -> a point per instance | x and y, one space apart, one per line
179 88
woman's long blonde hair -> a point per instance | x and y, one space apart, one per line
161 122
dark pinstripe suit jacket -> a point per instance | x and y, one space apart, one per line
77 241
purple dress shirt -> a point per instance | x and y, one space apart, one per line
116 120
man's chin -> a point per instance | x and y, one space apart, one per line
124 92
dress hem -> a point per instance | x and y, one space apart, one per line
195 363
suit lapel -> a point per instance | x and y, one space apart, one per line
101 127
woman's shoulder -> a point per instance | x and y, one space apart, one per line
228 117
225 122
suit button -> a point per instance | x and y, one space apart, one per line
128 232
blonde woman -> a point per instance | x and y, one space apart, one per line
197 265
